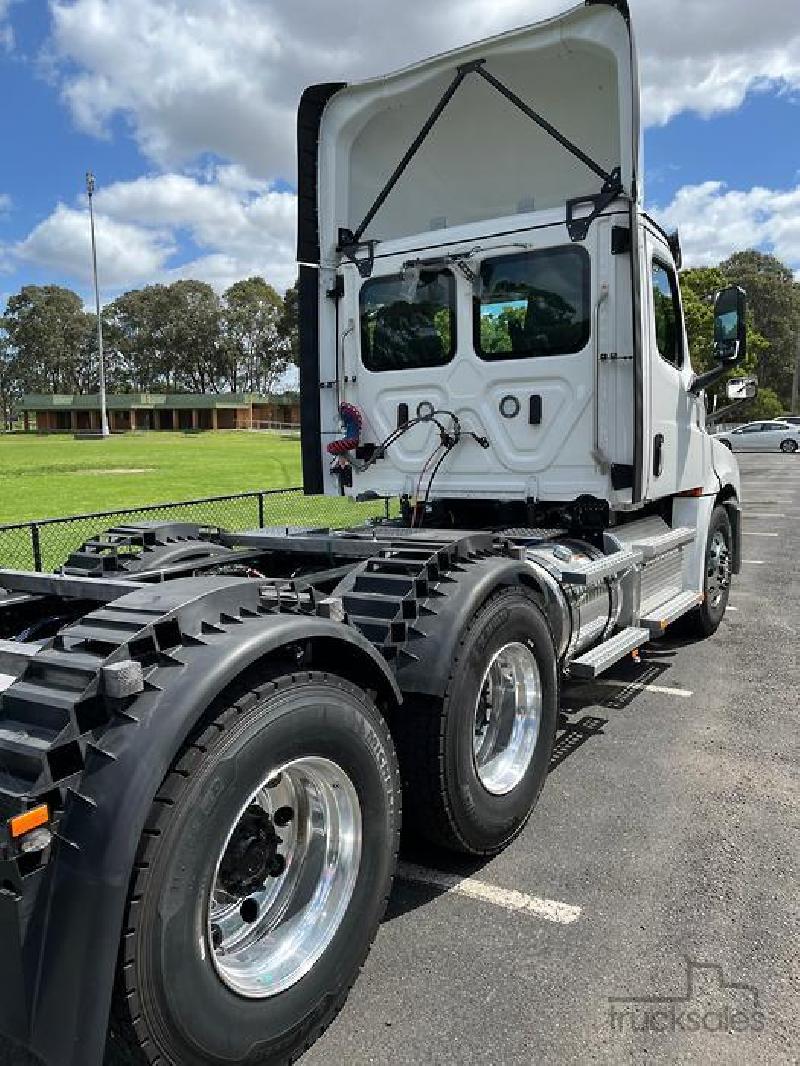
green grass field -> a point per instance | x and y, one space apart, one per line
50 476
54 476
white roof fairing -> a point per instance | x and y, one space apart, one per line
484 159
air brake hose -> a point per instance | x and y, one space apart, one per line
351 417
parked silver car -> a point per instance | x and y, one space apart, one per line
770 436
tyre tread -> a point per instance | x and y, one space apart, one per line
420 741
128 1036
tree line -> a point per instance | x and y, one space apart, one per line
773 336
182 337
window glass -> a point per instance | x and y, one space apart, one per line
754 427
409 320
667 315
533 303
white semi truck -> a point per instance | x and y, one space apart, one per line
206 738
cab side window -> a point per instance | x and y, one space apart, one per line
667 312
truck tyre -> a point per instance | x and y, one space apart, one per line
474 762
261 878
705 619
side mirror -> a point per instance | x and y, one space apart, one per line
730 325
742 389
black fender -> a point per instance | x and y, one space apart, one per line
458 596
206 633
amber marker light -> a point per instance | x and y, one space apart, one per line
30 820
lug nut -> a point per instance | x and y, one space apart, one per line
216 936
277 864
249 910
283 816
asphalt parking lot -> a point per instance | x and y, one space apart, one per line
649 910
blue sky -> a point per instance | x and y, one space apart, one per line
185 111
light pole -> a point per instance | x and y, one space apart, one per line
101 362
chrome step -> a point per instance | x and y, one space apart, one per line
598 570
598 659
661 543
657 620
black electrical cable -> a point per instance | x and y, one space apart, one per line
434 472
399 431
448 439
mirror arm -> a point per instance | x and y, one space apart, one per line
702 381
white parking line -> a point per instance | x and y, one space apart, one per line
682 693
755 533
762 514
507 898
730 608
754 562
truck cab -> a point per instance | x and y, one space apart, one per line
473 242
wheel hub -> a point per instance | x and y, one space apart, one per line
252 854
507 717
718 570
278 898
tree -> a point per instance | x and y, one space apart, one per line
9 383
289 325
766 405
192 336
50 336
135 332
256 336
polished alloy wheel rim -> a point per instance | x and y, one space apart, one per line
718 571
507 718
284 877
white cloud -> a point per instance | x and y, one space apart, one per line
6 31
224 75
240 227
5 204
126 253
715 221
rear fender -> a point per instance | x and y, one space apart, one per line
80 911
449 611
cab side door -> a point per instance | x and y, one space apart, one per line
675 448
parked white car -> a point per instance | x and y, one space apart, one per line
772 436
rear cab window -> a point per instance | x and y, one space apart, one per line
533 304
408 320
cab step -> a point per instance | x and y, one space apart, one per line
657 620
595 572
661 543
596 660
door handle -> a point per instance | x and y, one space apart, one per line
658 454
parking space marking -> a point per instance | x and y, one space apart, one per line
761 514
754 562
681 693
757 533
729 608
509 899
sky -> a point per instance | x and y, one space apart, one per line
185 111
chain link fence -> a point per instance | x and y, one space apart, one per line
46 544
